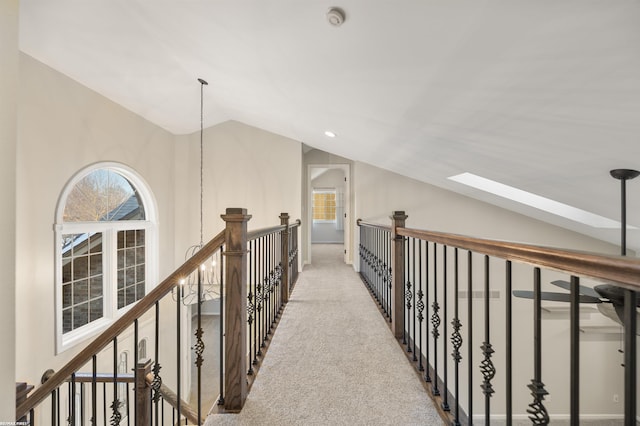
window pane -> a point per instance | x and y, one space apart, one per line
131 265
103 195
82 278
80 268
95 287
67 324
80 291
324 205
95 309
66 296
80 315
95 265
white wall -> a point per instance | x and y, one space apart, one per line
8 136
63 127
243 167
379 192
329 232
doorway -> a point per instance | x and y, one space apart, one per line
328 206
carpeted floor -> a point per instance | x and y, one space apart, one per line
333 360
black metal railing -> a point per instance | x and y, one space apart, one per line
465 287
97 387
375 264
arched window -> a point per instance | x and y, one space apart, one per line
105 249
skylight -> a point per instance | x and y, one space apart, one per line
536 201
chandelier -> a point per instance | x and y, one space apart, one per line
207 276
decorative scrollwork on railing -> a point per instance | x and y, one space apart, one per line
420 305
389 276
435 320
156 382
488 369
407 295
116 417
293 253
259 298
456 340
199 347
538 412
251 308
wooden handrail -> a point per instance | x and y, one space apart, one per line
619 269
295 224
254 235
121 324
361 222
103 378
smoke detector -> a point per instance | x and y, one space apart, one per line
335 16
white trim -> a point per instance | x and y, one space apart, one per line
347 208
109 232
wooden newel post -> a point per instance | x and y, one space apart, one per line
143 393
235 362
284 288
397 281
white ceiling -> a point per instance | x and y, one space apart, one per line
540 95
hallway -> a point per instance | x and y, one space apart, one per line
333 360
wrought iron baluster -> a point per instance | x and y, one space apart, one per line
486 367
94 373
254 254
509 363
470 335
413 277
389 273
259 296
157 380
456 338
104 403
435 322
407 296
575 350
72 400
221 331
445 400
630 355
420 303
116 416
537 411
178 347
427 368
199 346
82 403
250 307
136 357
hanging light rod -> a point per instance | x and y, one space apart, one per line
623 175
203 81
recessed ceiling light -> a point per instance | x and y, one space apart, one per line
329 134
536 201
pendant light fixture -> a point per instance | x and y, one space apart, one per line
210 284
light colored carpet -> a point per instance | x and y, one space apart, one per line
333 360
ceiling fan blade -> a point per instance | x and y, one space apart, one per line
554 297
584 290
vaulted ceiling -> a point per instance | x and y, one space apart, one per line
543 96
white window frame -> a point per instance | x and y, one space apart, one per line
110 311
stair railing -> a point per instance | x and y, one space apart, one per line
426 281
112 395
